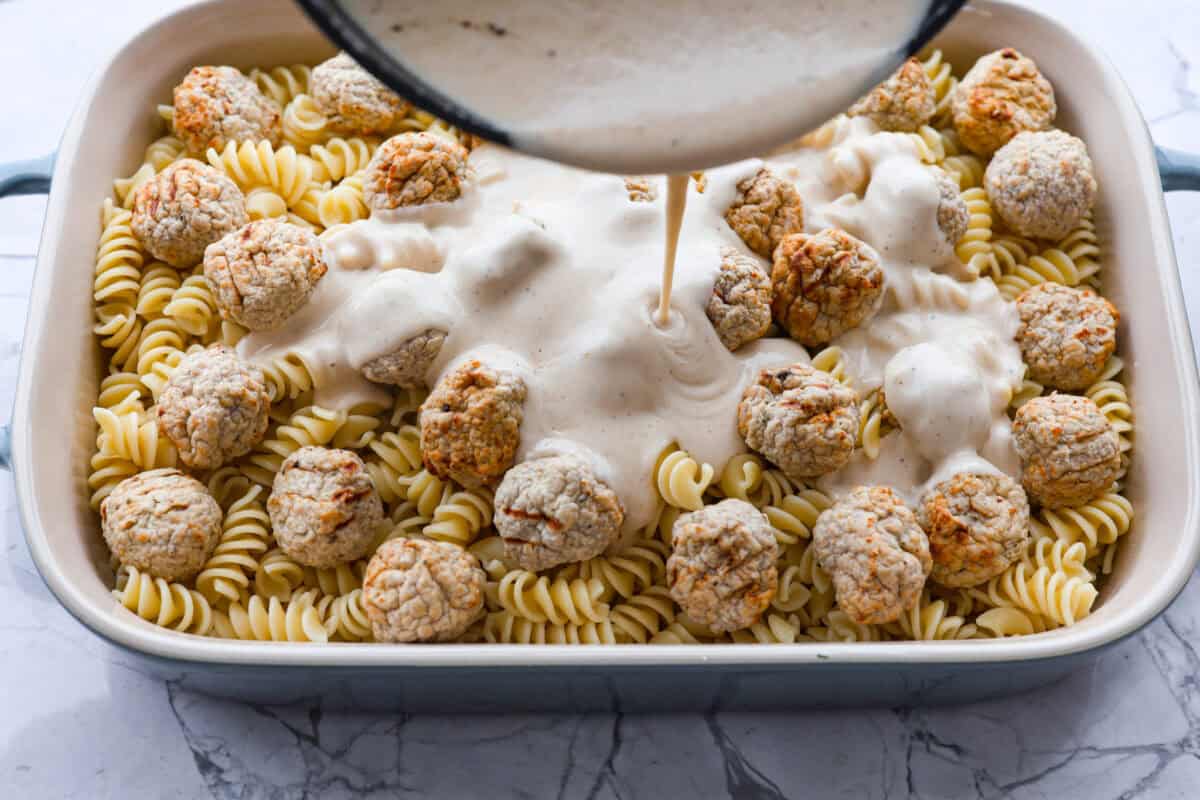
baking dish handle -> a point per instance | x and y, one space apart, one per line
1179 171
26 177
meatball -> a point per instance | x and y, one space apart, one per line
641 189
978 524
218 105
353 100
184 209
555 510
803 420
214 407
161 522
766 209
471 424
1041 183
407 364
722 566
740 304
904 102
953 219
871 545
263 272
1069 453
1066 334
422 591
824 285
1002 95
324 509
414 169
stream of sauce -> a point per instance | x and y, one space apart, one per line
677 186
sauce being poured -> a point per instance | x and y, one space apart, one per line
677 186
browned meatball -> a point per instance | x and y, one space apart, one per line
471 424
422 591
1066 335
904 102
977 523
766 209
871 545
184 209
555 510
1041 184
740 304
407 364
324 509
353 100
214 407
824 285
264 272
161 522
952 215
722 566
803 420
1069 453
218 105
1002 95
414 169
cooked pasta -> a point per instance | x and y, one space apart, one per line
312 426
503 627
273 620
245 536
119 260
974 249
795 514
941 78
634 569
343 203
832 360
339 158
640 617
252 164
461 517
192 306
303 123
741 477
932 619
156 288
681 480
168 605
772 629
283 84
559 601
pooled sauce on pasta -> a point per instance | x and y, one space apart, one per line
553 273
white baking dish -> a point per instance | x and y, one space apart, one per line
53 430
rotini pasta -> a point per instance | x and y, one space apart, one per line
250 164
974 249
540 599
283 84
312 426
273 620
168 605
303 123
245 536
343 203
192 306
461 517
339 158
681 480
119 260
642 616
504 627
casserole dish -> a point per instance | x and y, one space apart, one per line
53 430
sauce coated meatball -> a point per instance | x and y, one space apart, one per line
353 100
871 545
552 511
904 102
952 216
414 169
214 407
324 509
218 105
422 591
1002 95
264 272
1066 334
824 285
407 364
766 209
722 566
185 208
1069 453
1041 183
471 424
740 305
802 419
161 522
977 523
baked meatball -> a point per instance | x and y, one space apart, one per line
722 566
904 102
214 407
740 305
1041 183
824 284
877 555
1069 453
218 105
977 523
555 510
324 509
952 216
422 591
803 420
185 208
471 424
641 189
1002 95
162 522
407 364
766 209
414 169
353 100
1066 334
263 272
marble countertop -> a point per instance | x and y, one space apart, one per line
81 721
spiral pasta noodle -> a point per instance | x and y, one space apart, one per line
460 518
559 601
288 376
283 84
1007 621
133 436
119 259
931 619
339 158
245 536
249 164
168 605
974 249
303 123
635 569
771 629
1056 596
795 514
741 476
504 627
308 427
155 289
941 78
642 616
1096 524
832 360
681 480
346 618
192 306
343 203
273 620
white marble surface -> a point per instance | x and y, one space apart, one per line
82 722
